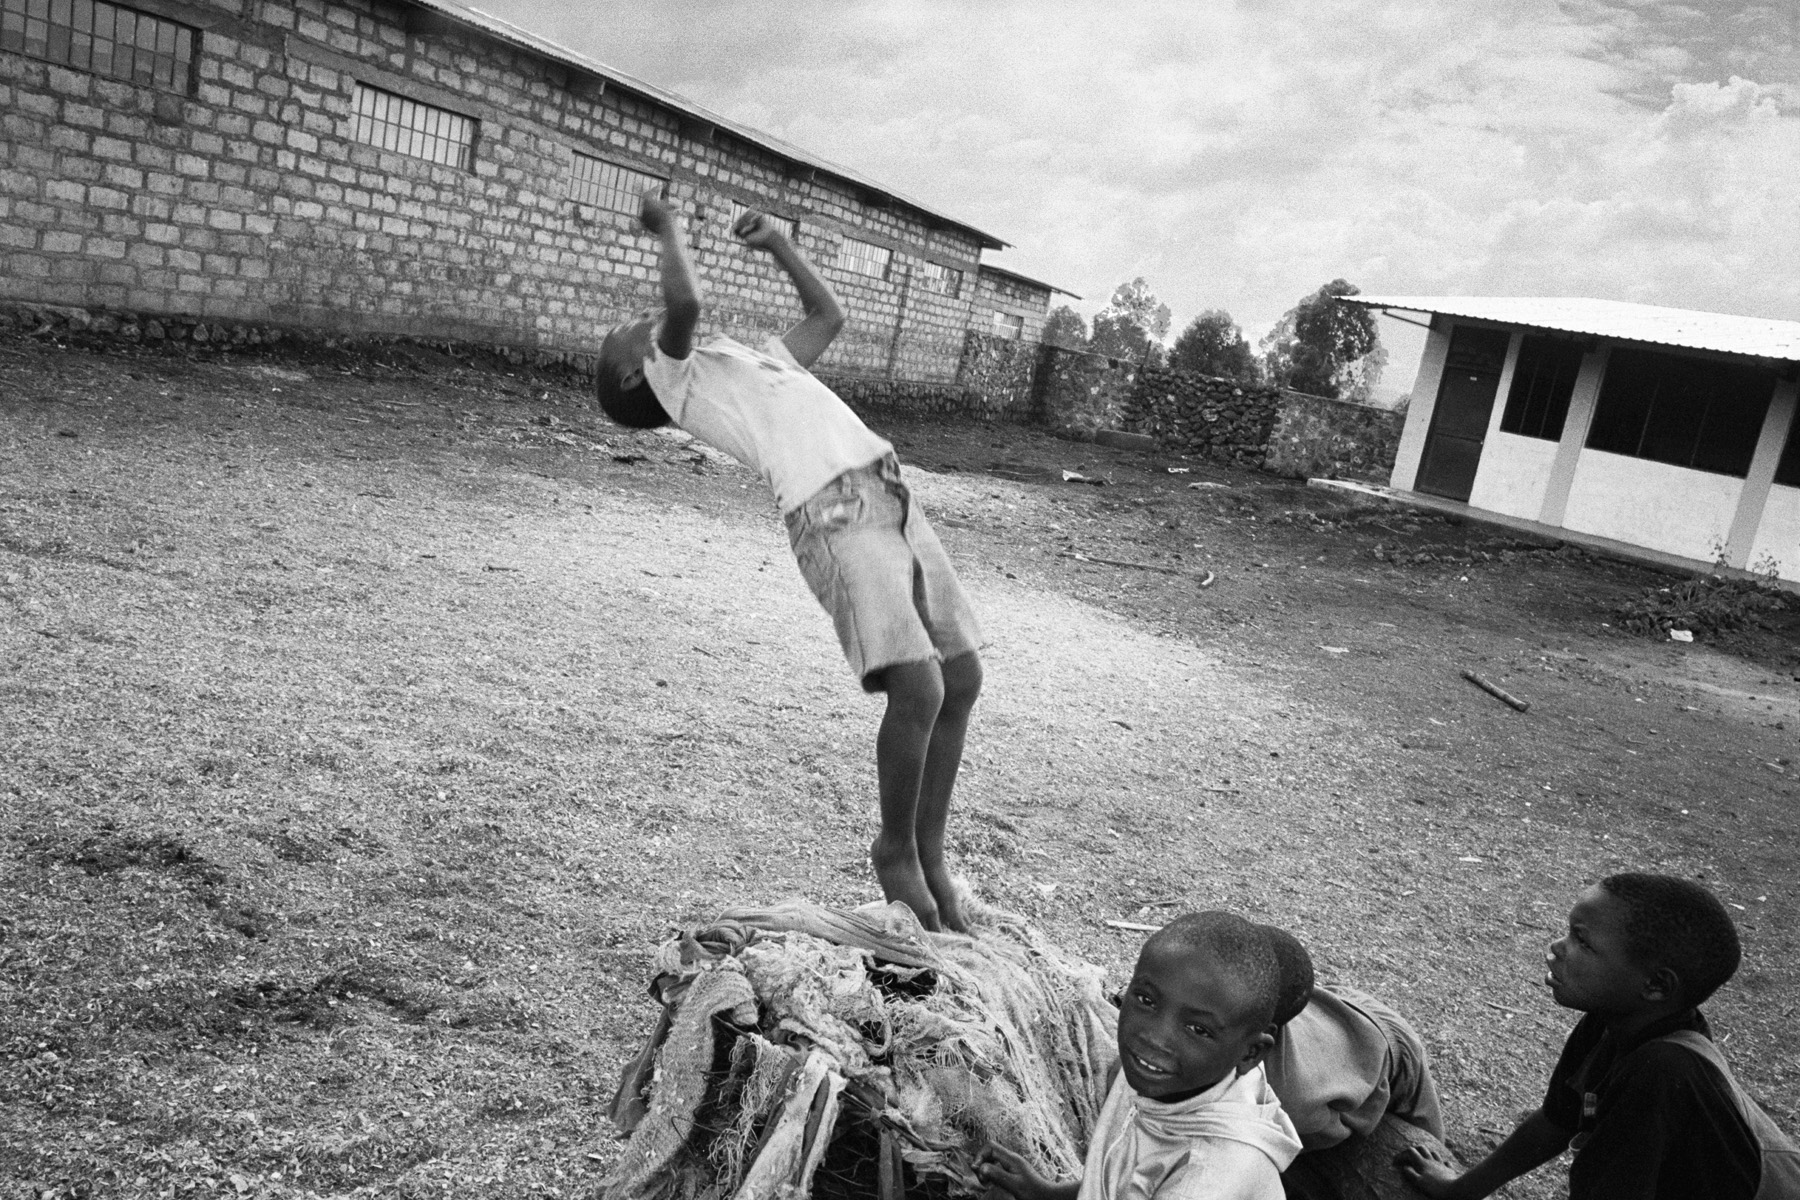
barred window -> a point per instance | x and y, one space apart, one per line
788 225
864 258
935 277
601 184
391 122
1543 380
1009 325
1691 412
92 35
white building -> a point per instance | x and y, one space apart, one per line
1655 427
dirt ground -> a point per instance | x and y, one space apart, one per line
366 721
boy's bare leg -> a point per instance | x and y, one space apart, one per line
915 696
962 684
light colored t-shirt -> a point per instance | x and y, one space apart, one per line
765 410
1231 1142
1330 1069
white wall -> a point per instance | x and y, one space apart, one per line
1652 504
1778 537
1513 474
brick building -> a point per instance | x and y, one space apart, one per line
1011 305
422 168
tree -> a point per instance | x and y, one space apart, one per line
1132 325
1212 344
1325 348
1064 327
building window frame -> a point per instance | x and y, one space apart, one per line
737 208
609 185
864 258
936 277
391 121
1010 326
112 40
1687 411
1544 374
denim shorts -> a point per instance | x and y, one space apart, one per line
873 561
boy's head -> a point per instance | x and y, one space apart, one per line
619 380
1198 1006
1638 943
1294 968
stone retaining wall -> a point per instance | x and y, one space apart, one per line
1199 414
1315 437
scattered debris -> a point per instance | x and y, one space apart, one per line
1078 477
1497 691
1198 484
1681 635
1334 649
1207 579
1133 926
1704 607
1179 470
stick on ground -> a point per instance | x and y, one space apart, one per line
1497 691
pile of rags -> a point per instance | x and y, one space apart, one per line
807 1050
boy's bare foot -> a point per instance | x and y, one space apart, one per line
944 891
903 879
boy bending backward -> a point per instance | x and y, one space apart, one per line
1190 1115
865 549
1640 1092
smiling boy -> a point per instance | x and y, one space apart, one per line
1639 1092
1190 1115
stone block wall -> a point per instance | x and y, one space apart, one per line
1079 394
1200 414
1003 373
246 197
1315 437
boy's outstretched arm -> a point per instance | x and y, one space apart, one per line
1535 1142
680 285
824 315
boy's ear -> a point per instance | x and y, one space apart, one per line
1258 1048
1662 984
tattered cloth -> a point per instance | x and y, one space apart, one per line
787 1027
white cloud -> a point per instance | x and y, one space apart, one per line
1238 155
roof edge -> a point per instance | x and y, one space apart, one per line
525 39
991 269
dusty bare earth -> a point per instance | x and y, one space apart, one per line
365 721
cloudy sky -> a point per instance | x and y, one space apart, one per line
1238 155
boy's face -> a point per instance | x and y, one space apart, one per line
627 347
1589 968
1184 1024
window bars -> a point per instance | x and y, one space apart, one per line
92 35
601 184
935 277
864 258
392 122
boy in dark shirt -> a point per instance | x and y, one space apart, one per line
1650 1118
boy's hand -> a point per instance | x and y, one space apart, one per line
1001 1169
758 230
656 213
1427 1172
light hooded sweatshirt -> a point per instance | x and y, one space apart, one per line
1231 1142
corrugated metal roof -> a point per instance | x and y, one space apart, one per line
506 31
991 269
1755 336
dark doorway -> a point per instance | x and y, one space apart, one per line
1459 421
